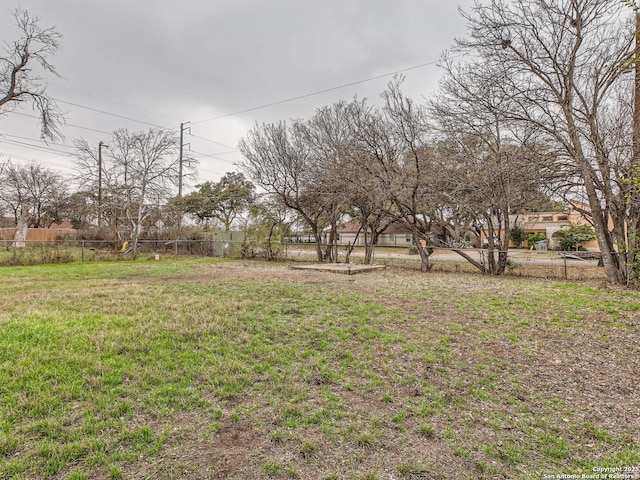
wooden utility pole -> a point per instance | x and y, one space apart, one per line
100 145
180 158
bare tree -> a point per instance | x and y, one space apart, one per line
19 81
3 207
328 136
33 188
491 168
148 167
103 178
279 160
139 169
560 63
312 167
12 194
367 204
393 148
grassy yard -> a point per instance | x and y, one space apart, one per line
202 369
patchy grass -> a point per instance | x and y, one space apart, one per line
202 369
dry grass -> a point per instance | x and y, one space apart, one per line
250 370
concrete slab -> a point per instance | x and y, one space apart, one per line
348 268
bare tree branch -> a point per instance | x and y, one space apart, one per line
18 81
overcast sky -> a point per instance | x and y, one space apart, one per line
162 62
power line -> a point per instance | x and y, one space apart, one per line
319 92
65 124
114 102
212 156
38 147
69 154
35 140
211 171
227 153
123 117
17 156
233 150
287 100
213 141
113 114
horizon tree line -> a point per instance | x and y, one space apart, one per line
540 105
535 102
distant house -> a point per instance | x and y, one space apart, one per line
550 223
394 235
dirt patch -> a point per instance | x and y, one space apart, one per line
501 384
228 451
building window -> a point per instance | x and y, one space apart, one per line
548 218
563 218
533 219
408 238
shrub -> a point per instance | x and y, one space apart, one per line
535 237
571 238
518 235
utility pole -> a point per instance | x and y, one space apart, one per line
180 159
100 145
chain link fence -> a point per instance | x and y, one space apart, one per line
575 265
65 251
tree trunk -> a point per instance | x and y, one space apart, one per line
610 260
502 262
20 238
369 245
632 260
318 241
330 247
351 246
424 251
479 265
269 248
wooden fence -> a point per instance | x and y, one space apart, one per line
39 234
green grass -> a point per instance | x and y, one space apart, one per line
175 369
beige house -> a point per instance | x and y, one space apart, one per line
550 223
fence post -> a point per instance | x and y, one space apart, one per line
82 255
15 260
177 247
